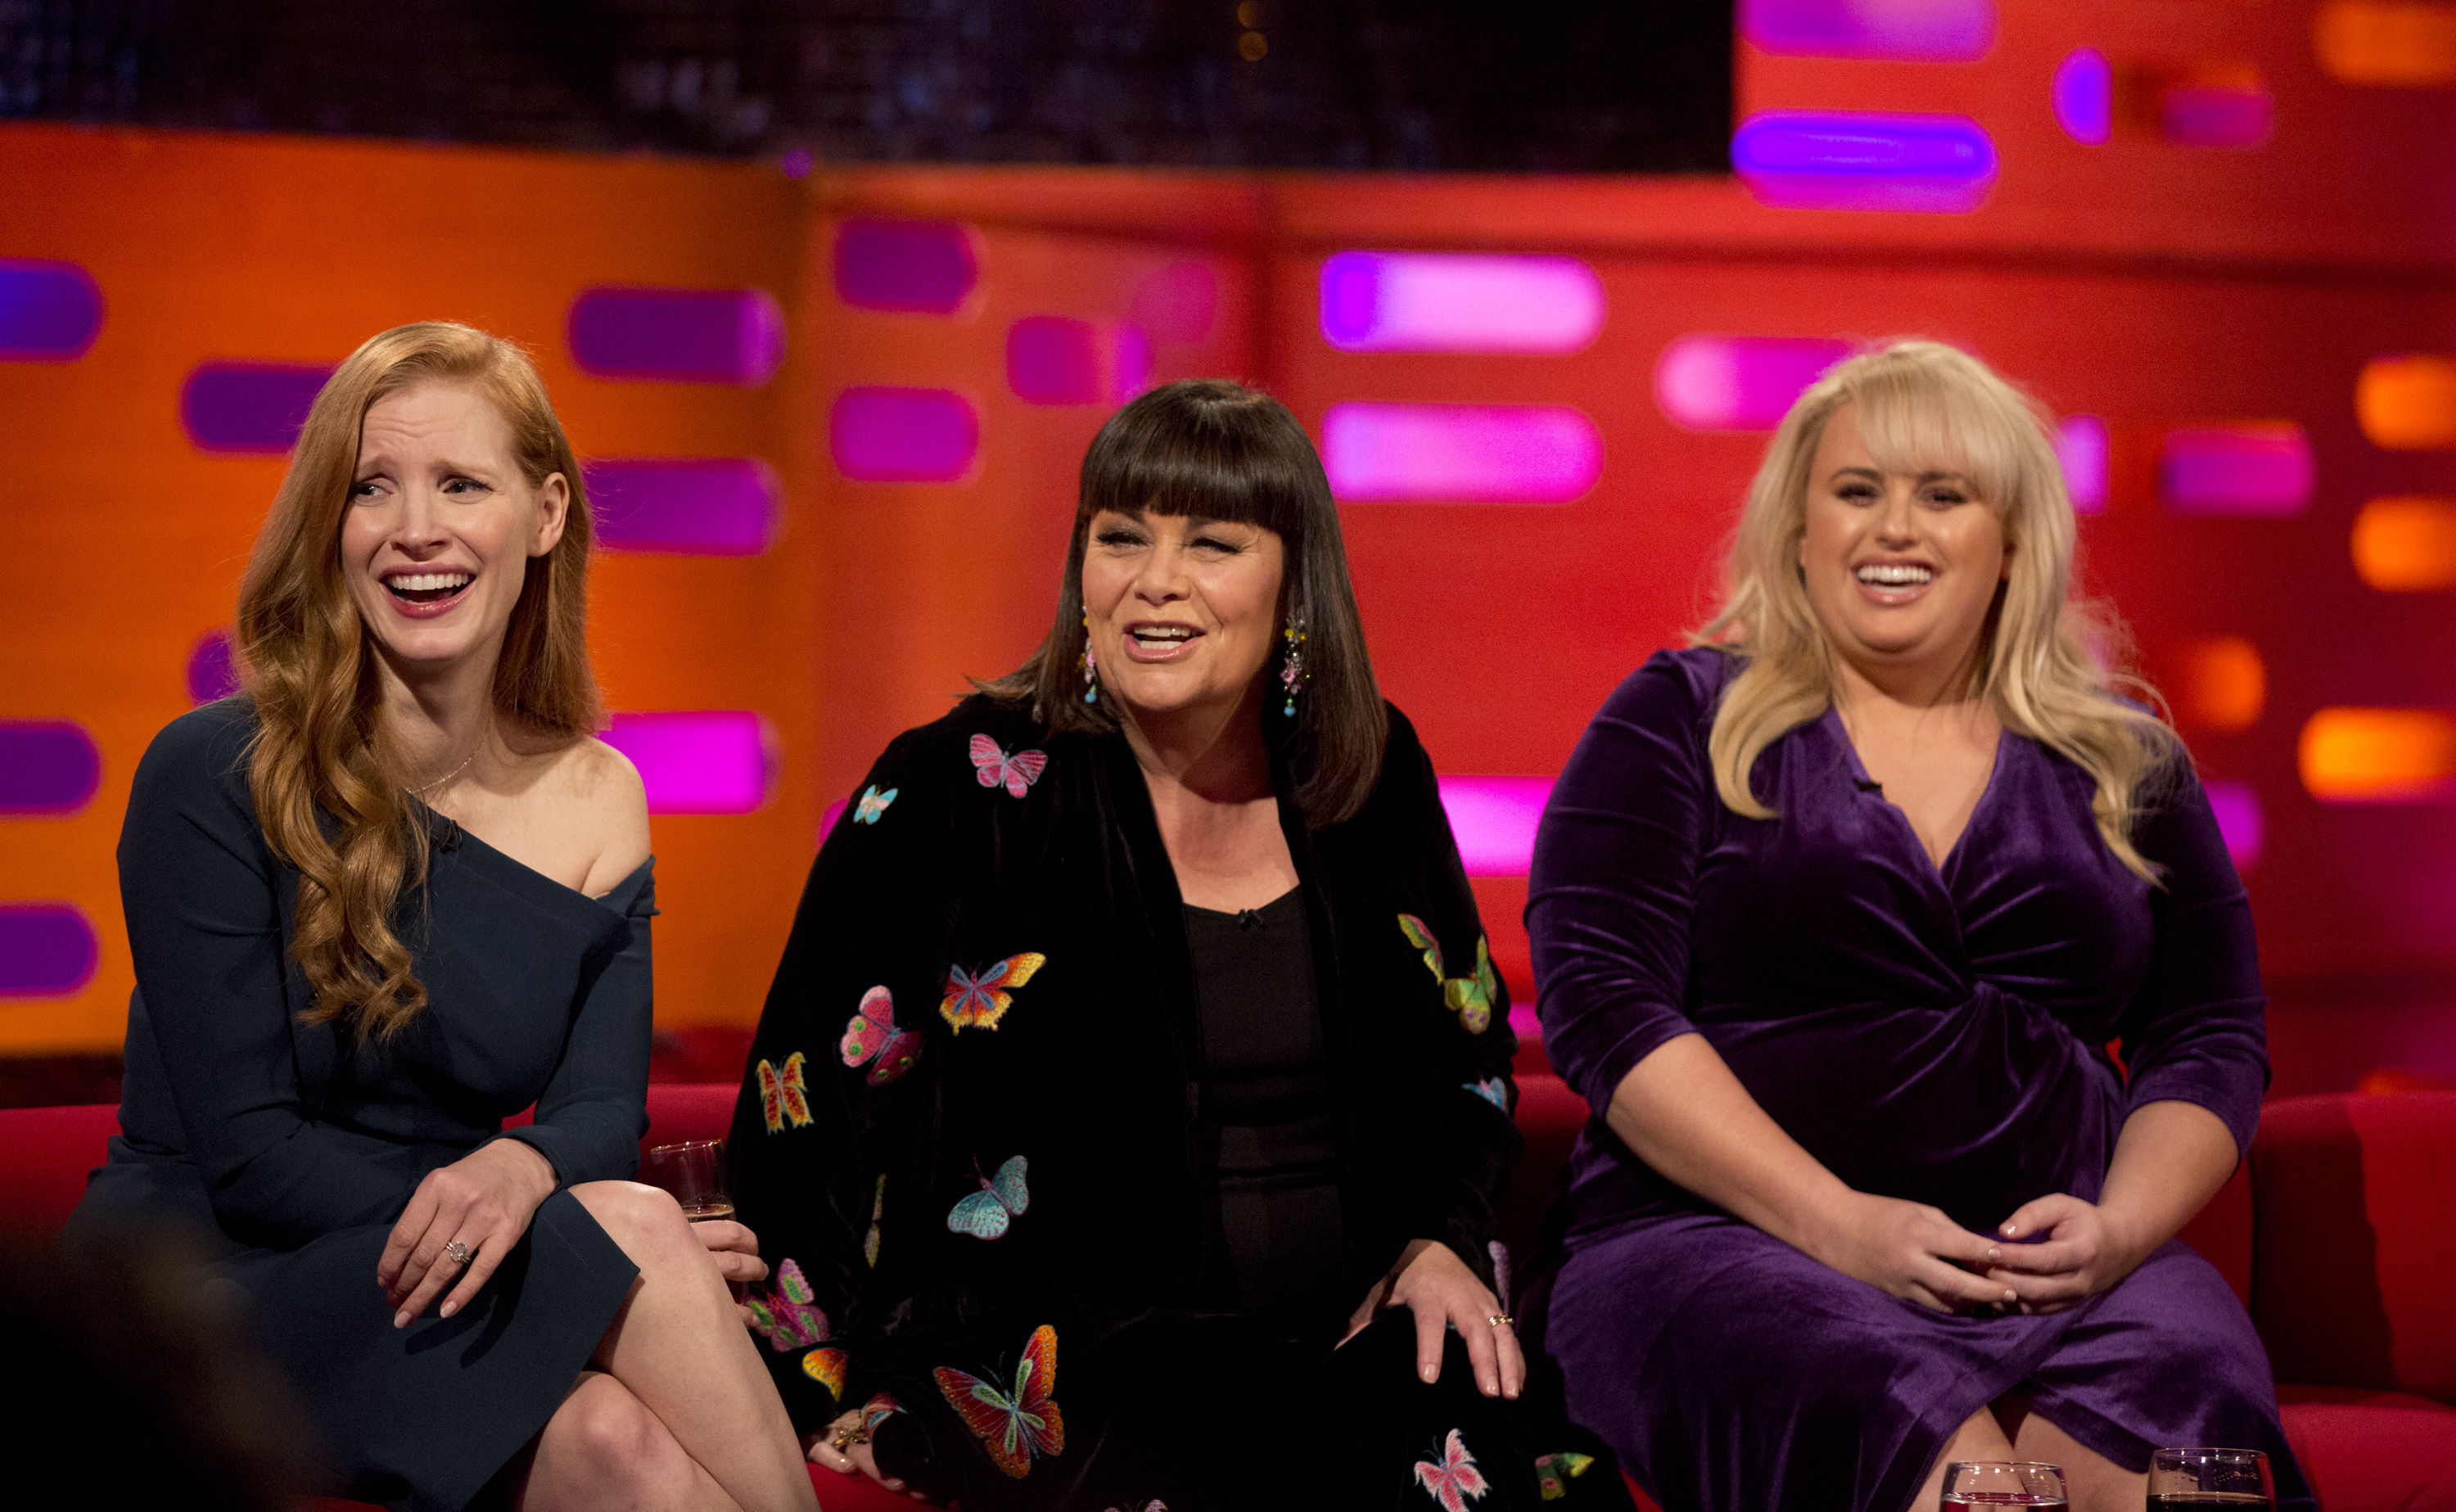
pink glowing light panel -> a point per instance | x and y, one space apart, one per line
697 506
2084 96
1460 453
1388 301
1494 819
701 761
2236 807
1864 160
1738 382
1912 31
2263 469
2080 446
903 436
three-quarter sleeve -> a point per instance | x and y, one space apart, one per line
2194 1031
595 1107
1613 882
203 898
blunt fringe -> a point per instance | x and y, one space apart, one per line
2050 666
1214 449
329 789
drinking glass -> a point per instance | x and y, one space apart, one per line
1997 1483
2205 1477
694 1172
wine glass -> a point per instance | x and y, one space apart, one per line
1997 1483
694 1172
2210 1478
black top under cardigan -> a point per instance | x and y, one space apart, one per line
952 857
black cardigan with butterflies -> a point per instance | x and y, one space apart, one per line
911 1048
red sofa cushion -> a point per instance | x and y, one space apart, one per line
2223 1233
2366 1450
2356 1220
44 1154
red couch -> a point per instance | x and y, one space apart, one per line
2340 1234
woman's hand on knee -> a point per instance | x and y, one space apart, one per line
852 1430
2064 1252
736 1251
1432 1281
462 1222
1912 1251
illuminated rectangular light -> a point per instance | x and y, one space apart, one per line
880 435
915 267
2080 446
2084 96
685 336
2408 402
1460 453
693 506
1059 359
2379 755
2406 545
2228 108
1863 160
1392 301
47 766
1494 819
1739 382
1913 30
2236 807
248 406
2262 468
49 312
701 761
47 949
2411 43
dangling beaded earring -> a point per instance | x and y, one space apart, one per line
1090 667
1293 675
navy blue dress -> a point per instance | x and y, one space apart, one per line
290 1151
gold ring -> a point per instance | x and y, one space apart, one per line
1502 1321
849 1434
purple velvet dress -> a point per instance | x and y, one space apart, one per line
1935 1034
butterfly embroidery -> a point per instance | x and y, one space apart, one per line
782 1094
981 1001
827 1367
992 765
1492 1090
1455 1480
872 1036
787 1317
877 1211
1015 1428
1554 1471
877 1410
1002 1198
873 804
1469 997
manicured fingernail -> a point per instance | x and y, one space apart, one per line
400 1319
1994 1254
1428 1372
449 1308
2012 1296
2011 1229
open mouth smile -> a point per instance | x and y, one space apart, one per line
1154 641
1893 583
421 594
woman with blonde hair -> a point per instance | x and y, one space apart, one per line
389 895
1834 915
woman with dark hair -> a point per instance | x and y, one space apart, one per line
1127 1117
392 894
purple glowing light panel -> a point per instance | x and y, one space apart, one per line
253 407
915 267
1914 31
2236 807
1826 160
1494 819
2080 446
2234 113
903 436
2084 96
700 762
1052 359
688 336
2263 469
1739 382
212 674
1460 453
47 949
696 506
49 312
46 766
1391 301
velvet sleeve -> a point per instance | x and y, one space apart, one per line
201 893
2194 1031
1613 882
874 912
595 1107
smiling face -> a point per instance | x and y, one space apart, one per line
1900 569
441 525
1184 612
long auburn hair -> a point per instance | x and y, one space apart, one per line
1921 406
328 786
1216 449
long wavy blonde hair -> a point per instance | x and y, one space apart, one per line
1924 406
329 789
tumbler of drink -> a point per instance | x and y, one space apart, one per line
2210 1478
1998 1482
694 1172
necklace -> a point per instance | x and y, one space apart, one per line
421 792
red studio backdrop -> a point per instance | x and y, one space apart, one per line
833 424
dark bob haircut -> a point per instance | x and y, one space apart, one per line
1214 449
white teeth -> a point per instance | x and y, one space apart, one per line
426 582
1169 632
1896 575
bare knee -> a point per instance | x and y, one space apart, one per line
644 1221
603 1442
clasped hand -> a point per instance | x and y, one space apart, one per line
2050 1254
